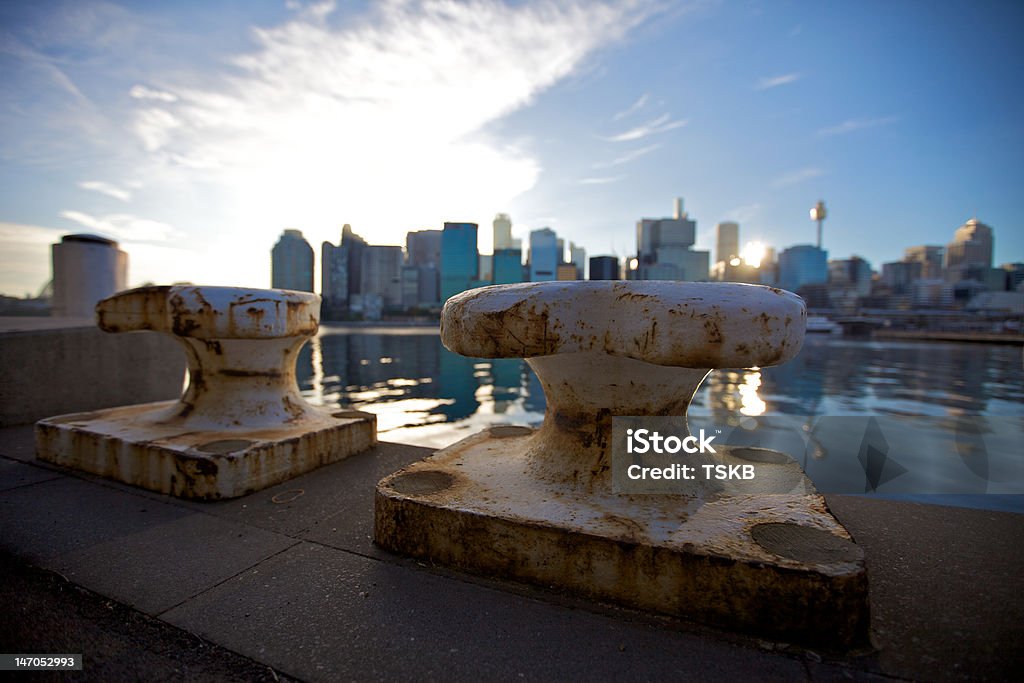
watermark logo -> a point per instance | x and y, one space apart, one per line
647 441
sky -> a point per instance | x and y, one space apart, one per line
194 132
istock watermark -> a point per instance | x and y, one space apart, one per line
899 455
647 441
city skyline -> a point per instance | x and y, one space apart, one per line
189 133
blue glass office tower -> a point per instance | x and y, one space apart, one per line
460 259
803 264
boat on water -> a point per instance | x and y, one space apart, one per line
821 325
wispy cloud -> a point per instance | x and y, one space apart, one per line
106 188
141 92
628 156
775 81
744 213
124 226
26 257
600 180
796 177
635 107
852 125
659 125
324 119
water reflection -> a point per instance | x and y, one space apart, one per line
424 394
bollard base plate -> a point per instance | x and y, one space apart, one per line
779 566
134 445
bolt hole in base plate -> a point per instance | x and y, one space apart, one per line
504 431
421 483
805 544
225 446
352 415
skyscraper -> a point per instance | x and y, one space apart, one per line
333 281
382 274
604 268
969 255
727 241
459 258
353 245
508 266
803 264
502 232
544 257
423 248
578 257
291 262
664 249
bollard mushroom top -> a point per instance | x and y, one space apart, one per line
211 312
684 324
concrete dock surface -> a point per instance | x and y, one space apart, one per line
286 583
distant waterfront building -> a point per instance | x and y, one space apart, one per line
544 255
382 274
86 268
291 262
664 248
931 294
930 257
898 276
502 232
727 241
566 272
485 269
508 266
578 257
803 264
852 273
333 281
423 248
604 268
1014 276
970 250
459 259
353 246
421 286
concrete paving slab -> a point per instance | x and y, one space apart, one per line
18 443
46 614
46 520
323 614
303 504
160 566
14 474
946 587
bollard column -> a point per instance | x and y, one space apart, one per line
240 425
539 505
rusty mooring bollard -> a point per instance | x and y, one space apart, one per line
540 505
241 424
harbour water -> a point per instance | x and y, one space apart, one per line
425 395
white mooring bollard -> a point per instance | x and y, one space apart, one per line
241 424
540 505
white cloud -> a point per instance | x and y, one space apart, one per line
141 92
106 188
122 226
627 157
796 177
775 81
379 122
851 125
601 180
636 106
658 125
26 257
